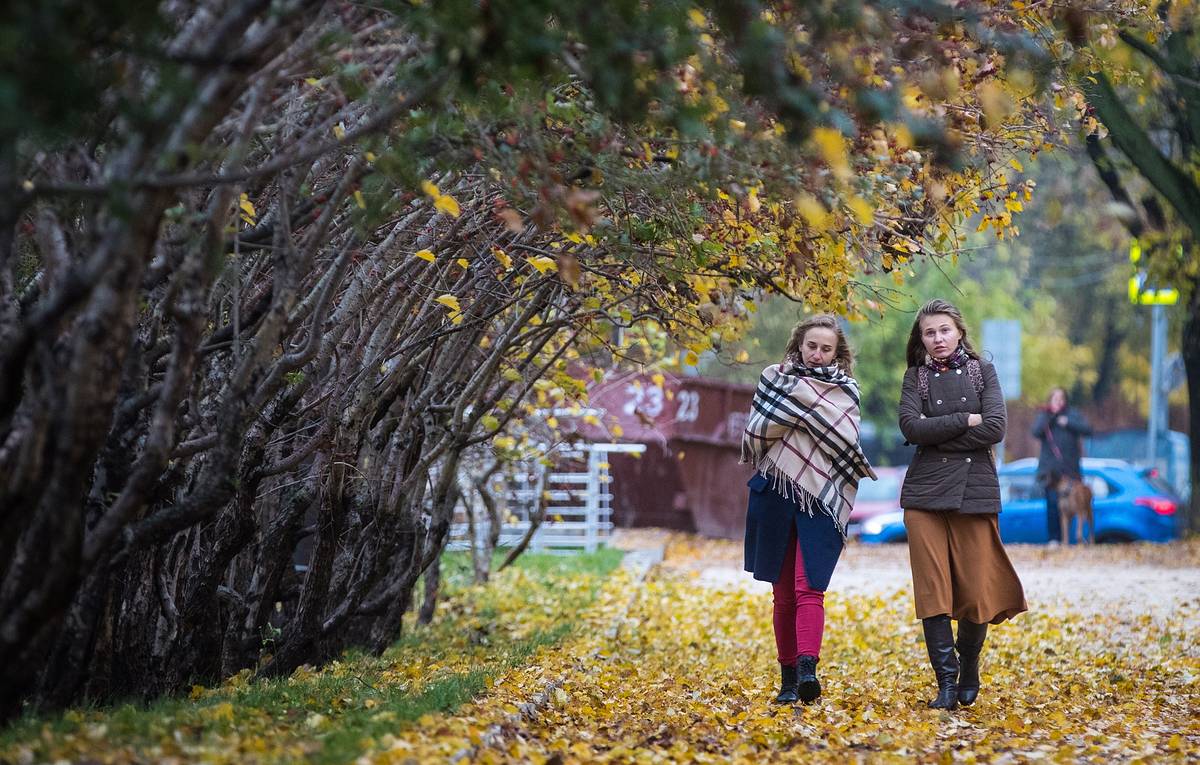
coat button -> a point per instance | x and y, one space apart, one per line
943 459
964 398
968 459
939 401
937 374
958 371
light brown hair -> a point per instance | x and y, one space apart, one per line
842 355
916 349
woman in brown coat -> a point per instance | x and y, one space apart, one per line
952 409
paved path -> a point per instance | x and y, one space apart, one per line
1134 579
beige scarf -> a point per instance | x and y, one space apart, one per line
803 433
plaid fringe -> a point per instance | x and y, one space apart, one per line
788 488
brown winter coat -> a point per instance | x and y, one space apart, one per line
953 468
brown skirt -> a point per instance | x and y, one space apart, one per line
959 567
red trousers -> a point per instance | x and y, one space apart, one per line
799 610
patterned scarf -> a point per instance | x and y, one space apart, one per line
803 433
956 360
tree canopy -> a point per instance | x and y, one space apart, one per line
272 273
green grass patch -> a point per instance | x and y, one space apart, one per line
333 714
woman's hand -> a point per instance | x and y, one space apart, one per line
974 419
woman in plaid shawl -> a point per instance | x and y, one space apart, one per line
802 437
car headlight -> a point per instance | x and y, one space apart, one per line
876 525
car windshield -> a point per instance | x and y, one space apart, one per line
887 487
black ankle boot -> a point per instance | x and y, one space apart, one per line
787 685
939 641
970 643
808 687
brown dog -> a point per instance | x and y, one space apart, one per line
1075 501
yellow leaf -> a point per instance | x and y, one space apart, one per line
541 263
463 262
247 206
752 201
832 147
658 379
489 421
502 256
314 82
504 442
339 131
862 210
430 190
1016 165
697 17
358 200
425 255
997 104
449 301
813 212
447 204
370 156
691 359
742 356
591 419
616 430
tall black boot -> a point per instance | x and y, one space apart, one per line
807 686
939 641
787 685
970 643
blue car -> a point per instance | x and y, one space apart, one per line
1130 505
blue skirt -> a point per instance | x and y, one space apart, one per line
770 521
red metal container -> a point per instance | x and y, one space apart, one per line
689 477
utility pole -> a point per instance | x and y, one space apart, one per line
1156 423
1158 299
1002 339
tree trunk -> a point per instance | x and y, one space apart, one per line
1190 350
433 585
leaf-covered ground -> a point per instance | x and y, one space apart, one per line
335 714
689 674
682 669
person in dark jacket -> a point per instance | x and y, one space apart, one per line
952 409
802 437
1060 428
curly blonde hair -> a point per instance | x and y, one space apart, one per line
842 356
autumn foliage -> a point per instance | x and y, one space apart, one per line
282 273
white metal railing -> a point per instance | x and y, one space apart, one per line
578 503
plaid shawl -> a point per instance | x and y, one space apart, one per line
803 433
